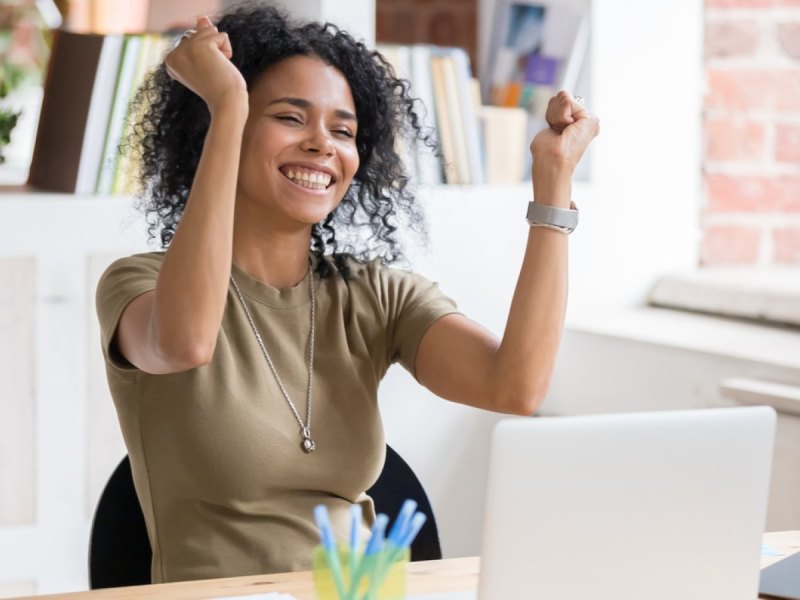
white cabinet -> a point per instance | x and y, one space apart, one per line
58 427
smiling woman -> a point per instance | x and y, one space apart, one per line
268 149
378 111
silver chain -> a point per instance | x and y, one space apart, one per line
307 444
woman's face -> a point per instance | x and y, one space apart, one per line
299 145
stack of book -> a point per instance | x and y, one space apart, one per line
450 107
91 81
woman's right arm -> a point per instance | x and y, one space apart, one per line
175 327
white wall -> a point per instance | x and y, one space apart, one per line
357 17
642 217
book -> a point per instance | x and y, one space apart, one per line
66 105
469 117
444 123
505 143
454 110
577 56
400 59
429 165
99 113
150 51
90 83
116 124
440 79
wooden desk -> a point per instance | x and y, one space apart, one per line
451 575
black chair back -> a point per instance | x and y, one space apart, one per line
119 549
397 482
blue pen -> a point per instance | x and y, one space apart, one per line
394 549
374 546
413 529
329 544
355 525
376 537
384 563
401 522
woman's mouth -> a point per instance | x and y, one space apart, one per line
307 178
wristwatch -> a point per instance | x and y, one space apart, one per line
561 219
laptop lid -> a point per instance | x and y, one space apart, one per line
659 505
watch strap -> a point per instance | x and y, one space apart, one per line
563 219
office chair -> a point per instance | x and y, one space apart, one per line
119 549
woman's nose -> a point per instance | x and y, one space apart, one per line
318 140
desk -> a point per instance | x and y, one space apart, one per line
450 575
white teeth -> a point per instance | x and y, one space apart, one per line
314 180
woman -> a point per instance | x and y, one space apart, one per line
244 360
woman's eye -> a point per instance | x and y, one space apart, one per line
290 118
344 133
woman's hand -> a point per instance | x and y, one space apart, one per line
201 62
557 149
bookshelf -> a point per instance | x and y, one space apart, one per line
638 219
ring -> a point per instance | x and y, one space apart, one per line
189 33
579 100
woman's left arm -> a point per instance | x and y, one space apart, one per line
460 360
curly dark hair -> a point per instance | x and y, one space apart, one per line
169 134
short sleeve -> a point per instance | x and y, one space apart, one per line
122 282
412 303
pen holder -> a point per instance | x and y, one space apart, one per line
377 579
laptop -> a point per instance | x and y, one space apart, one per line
655 506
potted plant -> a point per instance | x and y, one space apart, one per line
24 50
10 76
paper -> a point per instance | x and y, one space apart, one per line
770 551
270 596
445 596
782 580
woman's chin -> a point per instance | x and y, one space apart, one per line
309 218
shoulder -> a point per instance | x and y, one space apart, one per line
144 261
374 274
392 287
137 273
125 279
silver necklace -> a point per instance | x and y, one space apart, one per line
307 443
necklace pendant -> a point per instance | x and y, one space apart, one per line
307 444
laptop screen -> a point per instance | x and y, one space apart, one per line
660 505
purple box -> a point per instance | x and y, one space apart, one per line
541 69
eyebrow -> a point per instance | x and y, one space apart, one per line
303 103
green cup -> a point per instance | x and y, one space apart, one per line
377 580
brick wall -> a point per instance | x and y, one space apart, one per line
752 133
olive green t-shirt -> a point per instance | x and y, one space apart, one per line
215 451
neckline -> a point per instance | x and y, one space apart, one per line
258 291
